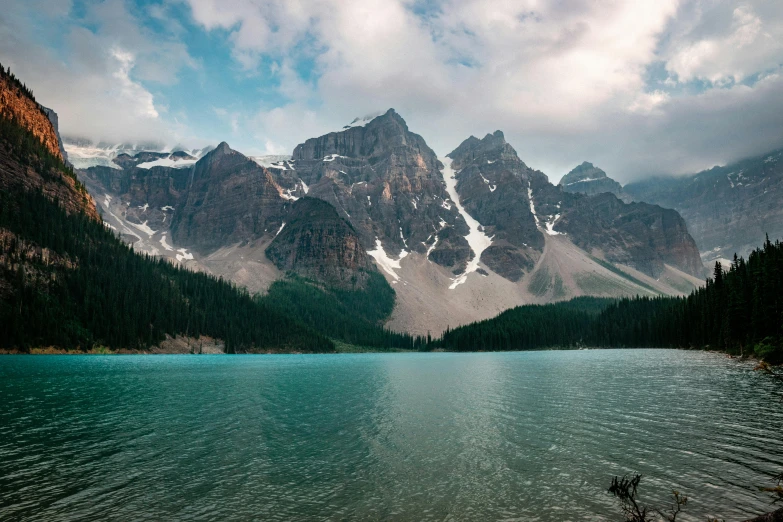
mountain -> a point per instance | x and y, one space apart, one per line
590 180
520 209
387 182
728 209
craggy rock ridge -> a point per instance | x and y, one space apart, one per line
482 167
230 199
590 180
387 183
17 104
519 207
220 213
728 209
55 121
317 243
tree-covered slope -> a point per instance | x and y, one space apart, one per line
67 281
353 315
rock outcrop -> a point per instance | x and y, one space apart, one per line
17 104
317 243
590 180
56 182
55 121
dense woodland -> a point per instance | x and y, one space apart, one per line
739 310
352 316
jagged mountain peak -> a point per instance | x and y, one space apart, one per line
583 171
588 179
222 149
492 147
363 138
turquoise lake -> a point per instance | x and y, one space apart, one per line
498 436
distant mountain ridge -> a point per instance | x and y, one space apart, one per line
728 209
590 180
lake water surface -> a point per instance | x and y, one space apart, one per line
504 436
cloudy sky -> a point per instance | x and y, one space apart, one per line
638 87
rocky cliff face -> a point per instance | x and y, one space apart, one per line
639 235
387 183
728 209
28 170
230 199
317 243
590 180
519 208
493 184
55 121
16 104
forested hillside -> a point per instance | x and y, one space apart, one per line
352 315
68 282
740 311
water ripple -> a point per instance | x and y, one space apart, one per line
513 436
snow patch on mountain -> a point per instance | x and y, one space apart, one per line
364 120
165 244
168 162
476 238
532 204
388 264
184 255
143 227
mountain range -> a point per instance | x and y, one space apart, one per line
460 238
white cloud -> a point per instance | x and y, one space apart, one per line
132 94
726 43
95 80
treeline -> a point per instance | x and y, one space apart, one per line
528 327
66 281
353 316
739 310
5 73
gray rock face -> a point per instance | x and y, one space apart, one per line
728 209
317 243
590 180
230 199
518 206
56 124
387 183
492 183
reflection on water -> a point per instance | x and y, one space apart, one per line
512 436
